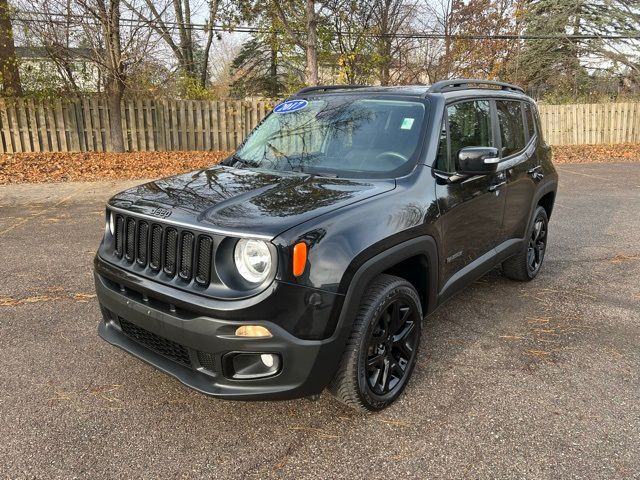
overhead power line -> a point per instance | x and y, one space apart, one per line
45 17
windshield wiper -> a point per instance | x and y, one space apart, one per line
241 161
300 168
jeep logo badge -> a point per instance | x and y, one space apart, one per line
161 212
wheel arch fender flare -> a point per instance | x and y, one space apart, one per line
366 266
549 187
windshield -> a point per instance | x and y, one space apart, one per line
340 136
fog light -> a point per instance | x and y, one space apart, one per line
252 331
246 366
267 359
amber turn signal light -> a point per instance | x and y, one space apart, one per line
299 258
252 331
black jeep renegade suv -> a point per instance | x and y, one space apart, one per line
308 258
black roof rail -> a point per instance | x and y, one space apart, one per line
325 88
464 83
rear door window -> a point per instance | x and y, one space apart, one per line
531 126
511 126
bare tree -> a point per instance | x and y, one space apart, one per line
391 17
169 15
309 17
115 50
352 24
53 32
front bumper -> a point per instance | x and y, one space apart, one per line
201 341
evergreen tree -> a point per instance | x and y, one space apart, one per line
564 58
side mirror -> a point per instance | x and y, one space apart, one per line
477 160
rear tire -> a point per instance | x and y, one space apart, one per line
525 265
382 348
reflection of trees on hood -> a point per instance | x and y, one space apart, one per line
313 237
300 198
199 190
290 197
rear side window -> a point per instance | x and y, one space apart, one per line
528 111
511 126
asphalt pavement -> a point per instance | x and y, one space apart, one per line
536 380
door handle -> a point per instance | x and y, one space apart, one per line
536 173
495 187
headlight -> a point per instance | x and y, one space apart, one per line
253 260
112 223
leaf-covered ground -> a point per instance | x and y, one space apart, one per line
624 152
79 167
66 167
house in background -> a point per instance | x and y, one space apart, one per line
54 68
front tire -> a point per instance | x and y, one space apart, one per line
525 265
382 349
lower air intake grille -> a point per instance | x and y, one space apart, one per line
172 350
207 361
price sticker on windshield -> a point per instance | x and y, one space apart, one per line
406 124
291 106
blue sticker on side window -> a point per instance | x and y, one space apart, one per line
291 106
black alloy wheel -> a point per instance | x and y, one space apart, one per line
382 348
392 346
525 265
537 245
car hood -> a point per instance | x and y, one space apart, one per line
245 202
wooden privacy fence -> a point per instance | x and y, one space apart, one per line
79 125
593 123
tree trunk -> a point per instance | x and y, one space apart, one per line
115 84
114 99
8 63
213 12
384 49
312 44
186 48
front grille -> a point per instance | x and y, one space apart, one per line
117 236
179 253
143 240
203 266
171 252
186 256
131 236
167 348
156 247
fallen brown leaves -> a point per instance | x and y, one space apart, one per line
624 152
78 297
83 167
621 258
